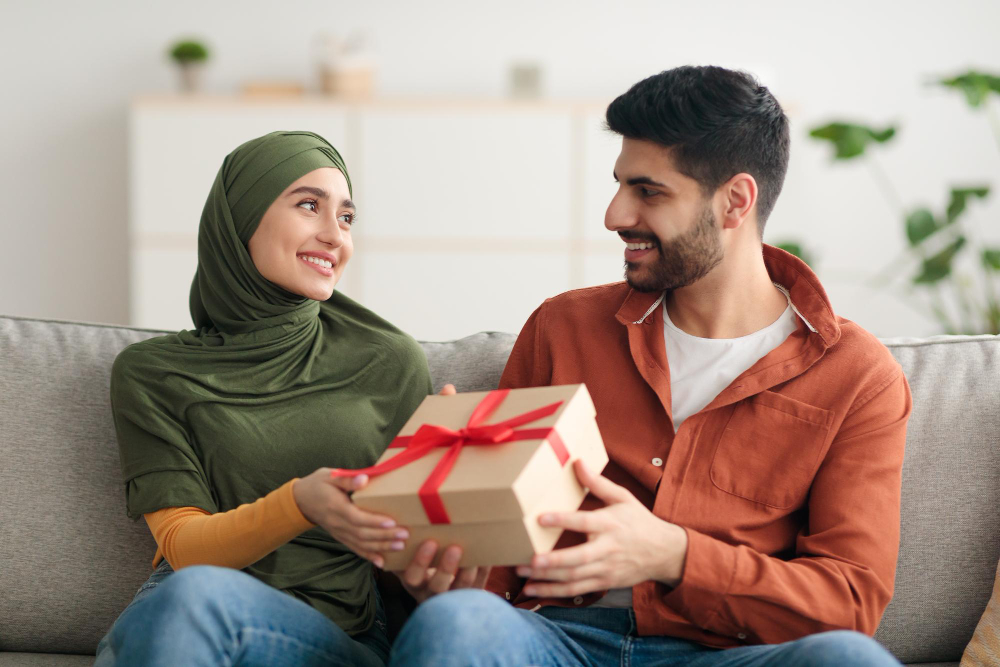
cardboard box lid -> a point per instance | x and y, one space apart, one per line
491 482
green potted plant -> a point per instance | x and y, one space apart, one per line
946 252
190 56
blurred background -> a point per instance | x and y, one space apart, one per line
472 131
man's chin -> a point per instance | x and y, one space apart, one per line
639 279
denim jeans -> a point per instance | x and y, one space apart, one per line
205 615
472 628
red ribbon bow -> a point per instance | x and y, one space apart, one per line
429 436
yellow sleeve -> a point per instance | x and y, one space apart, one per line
237 538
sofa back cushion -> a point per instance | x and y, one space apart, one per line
70 560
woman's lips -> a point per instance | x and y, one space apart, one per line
322 269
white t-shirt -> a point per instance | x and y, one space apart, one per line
700 368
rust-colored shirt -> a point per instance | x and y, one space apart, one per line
788 483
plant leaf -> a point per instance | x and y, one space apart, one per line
975 85
850 140
796 249
959 198
939 266
919 225
991 258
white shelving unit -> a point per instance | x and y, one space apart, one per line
471 213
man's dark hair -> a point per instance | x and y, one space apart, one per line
718 123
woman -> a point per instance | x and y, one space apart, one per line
226 431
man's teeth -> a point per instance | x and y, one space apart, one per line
317 260
639 246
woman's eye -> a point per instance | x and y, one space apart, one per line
349 218
308 203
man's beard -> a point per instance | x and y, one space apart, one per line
684 261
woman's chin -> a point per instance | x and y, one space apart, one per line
317 294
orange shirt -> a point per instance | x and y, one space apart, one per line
788 483
237 538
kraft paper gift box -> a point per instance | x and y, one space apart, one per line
477 469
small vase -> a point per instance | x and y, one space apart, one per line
190 77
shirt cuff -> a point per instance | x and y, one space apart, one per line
290 508
709 568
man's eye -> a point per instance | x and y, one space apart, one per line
308 203
646 192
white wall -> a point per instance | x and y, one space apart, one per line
70 69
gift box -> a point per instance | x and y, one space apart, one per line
477 469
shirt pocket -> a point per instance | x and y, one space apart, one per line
770 450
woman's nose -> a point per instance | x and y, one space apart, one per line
331 233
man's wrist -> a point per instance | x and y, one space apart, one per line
675 547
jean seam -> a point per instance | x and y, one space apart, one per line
626 657
272 634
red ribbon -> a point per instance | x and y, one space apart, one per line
429 436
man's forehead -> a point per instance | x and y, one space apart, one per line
640 158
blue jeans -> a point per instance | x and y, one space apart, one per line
205 615
472 628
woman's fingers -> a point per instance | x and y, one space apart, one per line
349 484
447 390
447 570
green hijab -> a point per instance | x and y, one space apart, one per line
269 386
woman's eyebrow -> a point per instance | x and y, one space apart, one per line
347 203
315 192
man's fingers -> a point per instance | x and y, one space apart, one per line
579 522
588 552
599 485
576 573
563 590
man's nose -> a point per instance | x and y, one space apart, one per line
620 215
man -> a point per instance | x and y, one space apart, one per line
750 511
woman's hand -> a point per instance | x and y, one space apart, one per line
324 500
423 581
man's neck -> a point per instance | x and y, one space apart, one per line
735 299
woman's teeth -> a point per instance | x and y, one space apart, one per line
316 260
639 246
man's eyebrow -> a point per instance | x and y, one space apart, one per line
309 190
645 180
641 180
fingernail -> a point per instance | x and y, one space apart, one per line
524 571
361 479
397 546
541 561
402 535
545 519
530 590
388 523
379 563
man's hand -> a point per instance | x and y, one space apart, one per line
626 545
423 581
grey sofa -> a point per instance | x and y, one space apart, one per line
70 560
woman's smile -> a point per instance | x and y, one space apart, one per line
322 262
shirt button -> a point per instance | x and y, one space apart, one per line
657 462
741 636
578 600
507 594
